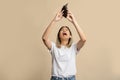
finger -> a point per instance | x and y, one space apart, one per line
60 16
68 17
57 13
62 11
69 11
69 14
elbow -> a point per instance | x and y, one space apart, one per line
84 40
44 38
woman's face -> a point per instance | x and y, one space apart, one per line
64 34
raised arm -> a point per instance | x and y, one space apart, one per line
82 36
45 36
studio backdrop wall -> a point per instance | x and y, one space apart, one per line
23 55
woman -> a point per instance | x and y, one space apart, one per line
64 51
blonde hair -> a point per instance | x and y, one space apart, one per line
58 41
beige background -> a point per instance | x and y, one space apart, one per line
23 55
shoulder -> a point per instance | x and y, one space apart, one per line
74 44
53 46
74 47
53 43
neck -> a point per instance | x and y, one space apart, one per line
64 43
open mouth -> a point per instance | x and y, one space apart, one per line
64 33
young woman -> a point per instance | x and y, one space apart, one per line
64 51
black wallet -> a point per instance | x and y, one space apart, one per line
65 12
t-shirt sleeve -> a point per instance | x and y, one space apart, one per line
52 47
75 48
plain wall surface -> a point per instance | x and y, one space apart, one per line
23 55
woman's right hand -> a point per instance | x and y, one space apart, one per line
58 16
71 17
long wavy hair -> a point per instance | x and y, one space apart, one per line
58 40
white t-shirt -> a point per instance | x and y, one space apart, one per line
63 60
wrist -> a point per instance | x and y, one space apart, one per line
53 21
74 22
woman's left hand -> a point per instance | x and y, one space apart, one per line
58 16
70 17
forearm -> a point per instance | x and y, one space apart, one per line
48 30
79 31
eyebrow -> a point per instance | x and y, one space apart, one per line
65 28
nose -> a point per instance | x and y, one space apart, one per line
64 30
